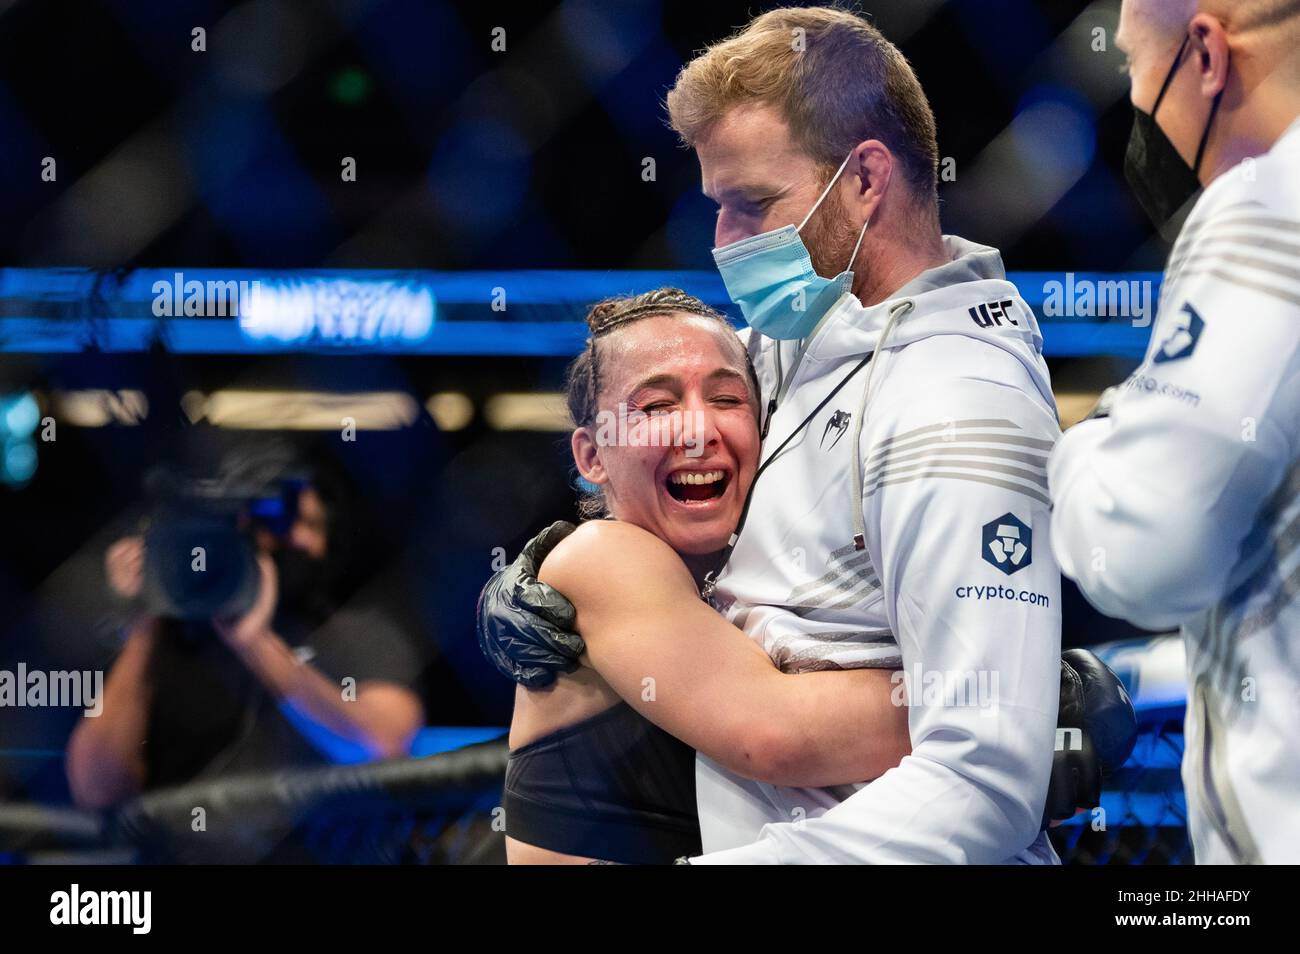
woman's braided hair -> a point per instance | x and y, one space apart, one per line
582 383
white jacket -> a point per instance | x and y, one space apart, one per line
1183 507
955 582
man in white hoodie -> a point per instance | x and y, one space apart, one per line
905 523
900 517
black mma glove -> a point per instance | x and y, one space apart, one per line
1094 702
525 628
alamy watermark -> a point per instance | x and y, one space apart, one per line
61 688
948 688
133 909
177 297
1078 297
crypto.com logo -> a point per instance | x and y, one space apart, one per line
1184 332
1008 543
630 427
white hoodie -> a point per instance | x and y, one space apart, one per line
1183 506
955 582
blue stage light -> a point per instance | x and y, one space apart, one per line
18 465
20 414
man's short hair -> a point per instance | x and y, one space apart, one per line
1247 15
833 77
1278 20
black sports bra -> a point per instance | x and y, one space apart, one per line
614 787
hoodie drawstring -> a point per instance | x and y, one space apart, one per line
711 578
858 504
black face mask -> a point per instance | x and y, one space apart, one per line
1161 180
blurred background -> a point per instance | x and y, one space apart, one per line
461 179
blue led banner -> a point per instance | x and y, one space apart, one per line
520 313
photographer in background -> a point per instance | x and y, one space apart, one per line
291 680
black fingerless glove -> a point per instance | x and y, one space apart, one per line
525 628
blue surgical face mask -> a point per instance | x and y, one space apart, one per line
771 277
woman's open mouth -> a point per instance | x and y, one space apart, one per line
697 487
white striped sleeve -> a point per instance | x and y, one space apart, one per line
1154 503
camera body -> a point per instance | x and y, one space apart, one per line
200 543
